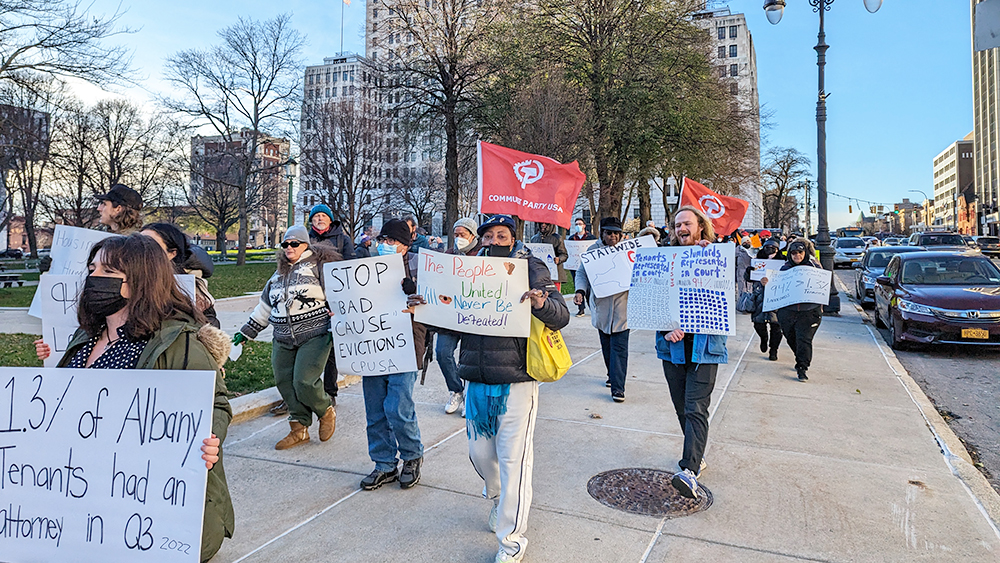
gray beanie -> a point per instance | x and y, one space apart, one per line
467 223
296 232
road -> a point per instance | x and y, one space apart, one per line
964 384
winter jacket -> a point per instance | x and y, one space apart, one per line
558 248
336 238
410 262
584 236
496 360
757 313
809 262
293 300
607 314
708 349
362 251
180 344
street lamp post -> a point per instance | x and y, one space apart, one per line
774 10
291 170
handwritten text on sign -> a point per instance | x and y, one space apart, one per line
759 266
609 268
474 294
103 465
58 296
544 252
574 249
802 284
70 250
371 334
685 287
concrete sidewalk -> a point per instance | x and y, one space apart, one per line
847 467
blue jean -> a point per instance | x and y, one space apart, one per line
615 349
392 419
445 350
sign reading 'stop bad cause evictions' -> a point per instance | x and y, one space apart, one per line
103 465
474 294
686 287
371 333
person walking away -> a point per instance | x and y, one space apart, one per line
389 409
363 248
549 234
690 365
765 324
466 243
120 210
799 322
502 399
609 315
579 233
133 315
187 259
294 303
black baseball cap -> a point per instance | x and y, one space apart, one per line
120 194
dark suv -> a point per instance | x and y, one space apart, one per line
937 240
989 246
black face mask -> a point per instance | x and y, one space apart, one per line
102 295
497 251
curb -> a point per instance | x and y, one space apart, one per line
250 406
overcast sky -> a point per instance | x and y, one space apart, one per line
899 80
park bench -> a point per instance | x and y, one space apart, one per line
8 280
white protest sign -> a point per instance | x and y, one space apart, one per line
70 250
474 294
609 268
803 284
58 295
103 465
574 248
187 284
371 333
685 287
758 266
544 252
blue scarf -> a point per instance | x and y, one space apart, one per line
483 406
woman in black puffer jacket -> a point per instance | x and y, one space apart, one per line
761 319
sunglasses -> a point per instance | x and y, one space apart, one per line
293 244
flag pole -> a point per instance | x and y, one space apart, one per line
342 4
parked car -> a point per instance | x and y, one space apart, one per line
939 240
15 253
849 251
872 266
939 298
891 241
989 246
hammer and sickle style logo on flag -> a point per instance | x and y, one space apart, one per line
528 172
712 206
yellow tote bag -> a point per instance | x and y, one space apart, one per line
548 357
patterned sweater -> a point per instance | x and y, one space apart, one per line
293 302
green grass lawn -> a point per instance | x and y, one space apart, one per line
17 350
252 372
16 296
230 280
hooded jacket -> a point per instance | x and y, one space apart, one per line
336 238
496 360
808 262
180 344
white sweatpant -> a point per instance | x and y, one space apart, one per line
504 462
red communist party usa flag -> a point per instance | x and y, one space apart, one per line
532 187
725 212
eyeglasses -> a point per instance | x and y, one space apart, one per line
293 244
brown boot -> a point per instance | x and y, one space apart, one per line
298 434
327 424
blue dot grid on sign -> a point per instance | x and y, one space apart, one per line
703 309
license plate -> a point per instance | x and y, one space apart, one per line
981 334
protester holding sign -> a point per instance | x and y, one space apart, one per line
467 243
502 399
131 294
579 234
690 364
186 260
608 314
120 209
294 303
549 234
762 320
799 322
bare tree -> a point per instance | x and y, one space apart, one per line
247 84
420 193
215 196
69 198
342 152
783 173
59 38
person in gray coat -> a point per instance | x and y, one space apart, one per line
608 314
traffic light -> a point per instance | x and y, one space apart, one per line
850 208
872 208
895 207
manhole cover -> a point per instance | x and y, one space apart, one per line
645 491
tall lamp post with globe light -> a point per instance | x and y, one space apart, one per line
291 170
774 10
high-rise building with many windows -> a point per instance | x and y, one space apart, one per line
986 114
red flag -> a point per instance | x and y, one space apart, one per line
533 187
725 212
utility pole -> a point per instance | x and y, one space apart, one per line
808 208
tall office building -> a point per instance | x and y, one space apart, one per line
986 114
953 170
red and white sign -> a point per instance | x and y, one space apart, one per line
532 187
725 212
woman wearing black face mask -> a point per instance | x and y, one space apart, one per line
134 316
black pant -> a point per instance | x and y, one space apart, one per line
691 387
572 276
775 340
615 349
799 328
330 376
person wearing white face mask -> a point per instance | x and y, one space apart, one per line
580 233
467 243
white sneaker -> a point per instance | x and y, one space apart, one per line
456 402
697 475
504 557
493 518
